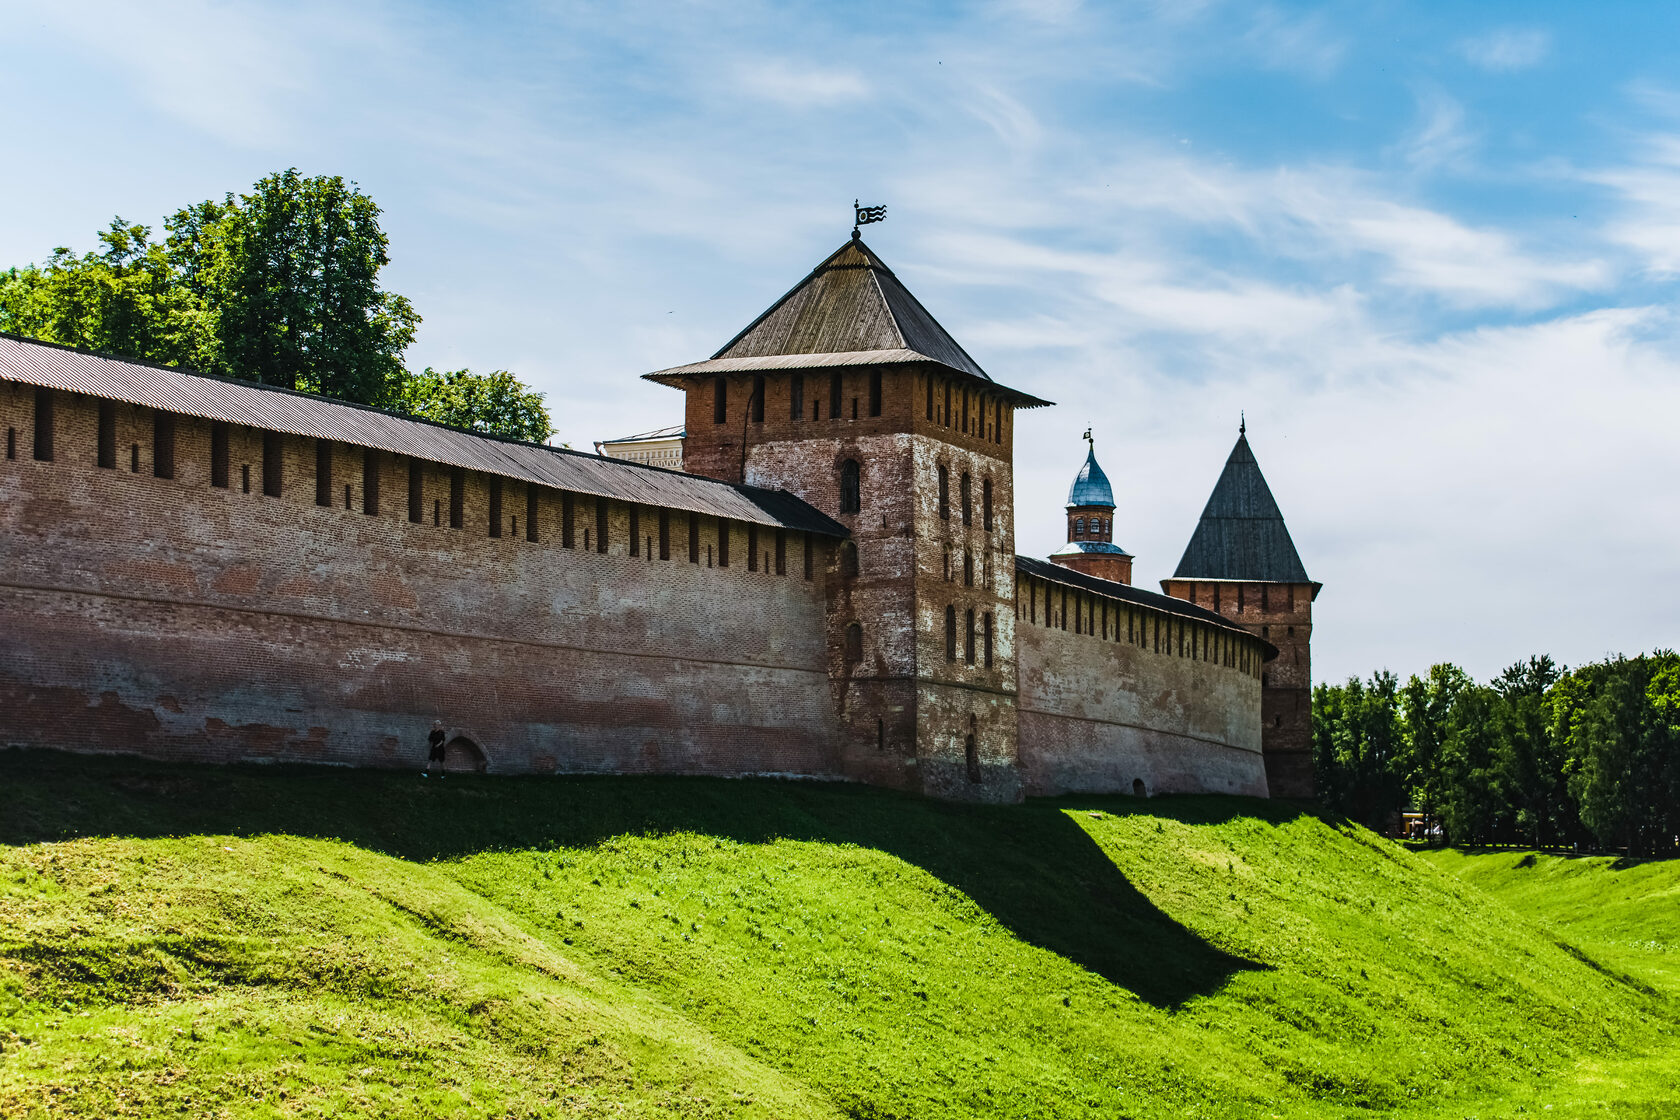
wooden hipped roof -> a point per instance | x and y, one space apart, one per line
850 311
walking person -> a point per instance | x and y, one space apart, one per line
435 755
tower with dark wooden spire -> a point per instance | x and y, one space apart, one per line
849 394
1242 564
1090 544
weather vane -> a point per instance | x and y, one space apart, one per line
1242 423
864 215
1087 438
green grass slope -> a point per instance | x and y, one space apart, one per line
1626 913
314 942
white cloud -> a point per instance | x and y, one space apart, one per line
802 86
1301 44
1441 138
1507 48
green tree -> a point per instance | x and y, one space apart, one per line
1426 708
495 403
124 300
1357 746
1530 769
290 275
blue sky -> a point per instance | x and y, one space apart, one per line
1431 250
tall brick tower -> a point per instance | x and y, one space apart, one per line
847 393
1090 521
1242 563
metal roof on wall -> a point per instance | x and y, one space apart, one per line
1125 592
51 366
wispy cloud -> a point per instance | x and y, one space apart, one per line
1507 48
802 86
1307 44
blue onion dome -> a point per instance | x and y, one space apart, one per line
1090 486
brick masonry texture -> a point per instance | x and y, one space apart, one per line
1113 694
169 617
174 619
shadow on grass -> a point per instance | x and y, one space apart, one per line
1031 867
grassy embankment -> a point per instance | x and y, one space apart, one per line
285 942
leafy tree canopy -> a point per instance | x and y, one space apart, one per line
280 286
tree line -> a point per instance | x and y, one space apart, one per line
1587 758
280 286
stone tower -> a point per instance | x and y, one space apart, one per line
849 394
1090 523
1241 563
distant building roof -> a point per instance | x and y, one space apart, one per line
52 366
850 311
676 431
1241 535
1090 486
1125 592
1090 548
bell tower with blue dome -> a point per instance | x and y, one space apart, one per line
1090 512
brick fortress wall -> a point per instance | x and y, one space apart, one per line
176 619
1281 613
1113 693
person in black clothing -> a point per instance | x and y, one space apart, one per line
435 757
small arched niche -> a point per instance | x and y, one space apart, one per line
1137 788
463 756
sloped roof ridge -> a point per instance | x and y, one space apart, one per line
1241 534
870 262
499 450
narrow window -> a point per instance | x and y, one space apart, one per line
163 445
810 559
874 392
457 498
968 569
851 497
600 525
370 482
945 415
950 633
568 520
880 734
495 520
1063 619
968 636
664 534
854 408
835 389
245 478
999 435
437 512
533 499
965 411
723 542
416 491
987 635
752 548
11 443
971 756
134 459
854 643
1105 620
965 493
271 463
1078 527
218 456
758 399
1264 604
796 397
781 552
694 538
323 472
107 434
44 425
947 568
986 505
1032 594
635 531
944 493
930 398
720 400
848 559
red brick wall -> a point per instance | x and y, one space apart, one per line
1281 613
1111 693
170 618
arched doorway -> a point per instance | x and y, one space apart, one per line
1137 788
463 756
